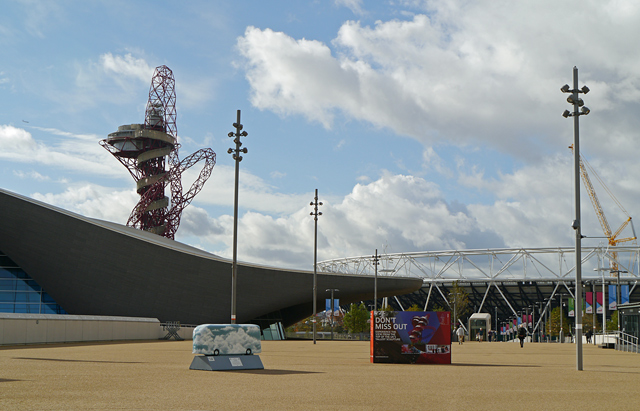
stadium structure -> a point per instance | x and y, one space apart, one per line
506 283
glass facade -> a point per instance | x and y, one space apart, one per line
19 293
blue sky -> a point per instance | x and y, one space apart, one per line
425 125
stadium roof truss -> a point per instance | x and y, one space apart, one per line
521 276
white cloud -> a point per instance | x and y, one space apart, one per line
127 66
406 212
464 73
77 152
354 5
94 201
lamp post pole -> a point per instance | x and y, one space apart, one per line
578 110
375 280
332 308
594 308
618 296
315 213
561 333
237 158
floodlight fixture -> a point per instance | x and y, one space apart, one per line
566 114
585 110
565 89
585 89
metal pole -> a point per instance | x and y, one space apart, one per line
594 308
618 302
332 309
576 172
315 270
533 320
561 333
234 264
604 309
375 283
315 215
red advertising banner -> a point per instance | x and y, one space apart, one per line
599 300
589 302
411 337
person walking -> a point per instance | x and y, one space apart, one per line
522 333
460 334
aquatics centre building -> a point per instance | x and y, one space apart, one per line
53 261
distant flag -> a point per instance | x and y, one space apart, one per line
599 300
589 302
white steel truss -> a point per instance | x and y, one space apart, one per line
503 264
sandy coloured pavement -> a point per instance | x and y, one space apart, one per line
330 375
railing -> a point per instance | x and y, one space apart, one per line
626 342
326 335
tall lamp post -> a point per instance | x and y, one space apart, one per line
618 298
315 213
578 110
332 310
238 158
376 261
561 333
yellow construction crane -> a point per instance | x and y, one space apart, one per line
611 236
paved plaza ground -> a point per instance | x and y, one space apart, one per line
330 375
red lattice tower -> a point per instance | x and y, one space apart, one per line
144 149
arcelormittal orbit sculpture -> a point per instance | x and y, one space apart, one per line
145 148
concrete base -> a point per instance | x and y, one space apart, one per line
226 362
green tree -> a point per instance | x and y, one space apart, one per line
587 323
553 326
414 307
459 302
355 320
612 324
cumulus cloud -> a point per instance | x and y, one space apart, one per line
405 212
93 201
76 152
459 72
127 65
354 5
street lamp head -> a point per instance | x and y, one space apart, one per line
244 134
320 203
230 134
230 151
244 150
585 89
585 110
238 126
566 114
565 88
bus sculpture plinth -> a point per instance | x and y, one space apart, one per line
225 347
411 337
